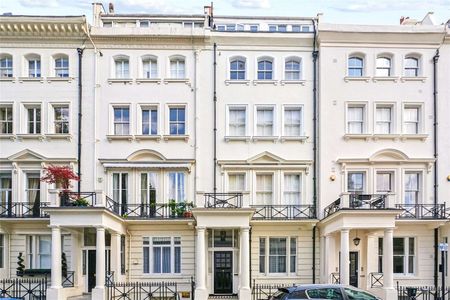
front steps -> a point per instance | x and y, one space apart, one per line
228 297
81 297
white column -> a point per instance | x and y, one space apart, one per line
388 265
98 293
371 255
76 263
56 258
201 292
244 287
330 259
344 266
448 260
115 255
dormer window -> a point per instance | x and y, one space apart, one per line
62 66
177 68
411 67
6 66
384 66
237 69
355 66
122 65
265 71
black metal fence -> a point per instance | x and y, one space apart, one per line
422 293
263 291
23 210
223 200
24 288
376 279
422 211
283 212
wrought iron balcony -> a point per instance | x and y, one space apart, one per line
357 201
23 210
283 212
82 199
422 211
223 200
156 211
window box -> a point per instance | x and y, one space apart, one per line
120 80
148 137
148 80
112 137
354 78
228 82
60 79
354 136
179 137
284 82
293 139
30 136
31 79
404 79
57 136
385 78
263 81
265 138
237 138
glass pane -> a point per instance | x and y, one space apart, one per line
223 238
399 246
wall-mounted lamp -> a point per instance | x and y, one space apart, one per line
356 240
333 177
448 178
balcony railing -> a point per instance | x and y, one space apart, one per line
23 210
376 279
156 211
223 200
82 199
422 211
283 212
357 201
335 278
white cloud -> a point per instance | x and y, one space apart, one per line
388 5
250 3
39 3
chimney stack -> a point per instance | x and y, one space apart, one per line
111 8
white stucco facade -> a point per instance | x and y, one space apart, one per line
198 159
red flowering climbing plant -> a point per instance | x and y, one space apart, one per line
60 175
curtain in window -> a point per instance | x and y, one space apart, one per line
292 70
355 119
45 245
383 120
5 191
237 122
384 182
122 69
264 122
177 253
33 188
177 69
292 122
156 260
176 187
411 188
264 189
293 257
277 255
236 182
411 120
355 182
291 189
150 69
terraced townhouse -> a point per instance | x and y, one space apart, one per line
220 156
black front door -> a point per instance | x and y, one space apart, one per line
92 258
354 268
223 272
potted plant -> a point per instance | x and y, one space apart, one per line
61 176
173 207
20 266
63 265
187 212
79 201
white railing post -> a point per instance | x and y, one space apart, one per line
245 199
100 199
389 200
345 200
53 197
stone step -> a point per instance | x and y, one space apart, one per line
81 297
226 297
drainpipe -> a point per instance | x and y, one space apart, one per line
435 171
315 55
80 95
215 117
250 253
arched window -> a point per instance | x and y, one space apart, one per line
150 67
355 66
411 66
6 66
122 65
383 66
177 67
265 69
292 69
62 66
237 69
34 65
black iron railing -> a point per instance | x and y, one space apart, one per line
156 211
23 210
112 205
24 288
422 293
82 199
332 208
421 211
376 279
223 200
367 201
69 280
142 290
109 278
283 212
335 278
263 291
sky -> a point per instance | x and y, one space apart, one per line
334 11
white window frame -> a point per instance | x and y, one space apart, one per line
420 185
274 119
362 105
273 191
120 188
406 256
418 58
237 173
360 56
272 71
140 119
177 59
227 125
32 253
420 115
288 256
33 106
157 186
122 59
379 67
300 185
64 70
153 59
229 70
52 117
9 111
283 119
365 180
393 180
172 246
300 71
174 105
8 70
186 183
392 122
33 58
113 120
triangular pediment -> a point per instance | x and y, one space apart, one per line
265 158
389 155
146 155
26 155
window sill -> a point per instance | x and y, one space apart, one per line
229 81
237 138
385 78
113 137
404 79
120 80
177 80
381 136
147 137
8 79
59 79
259 81
175 137
31 79
351 136
362 78
57 136
419 136
26 136
8 136
265 138
293 139
301 82
148 80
